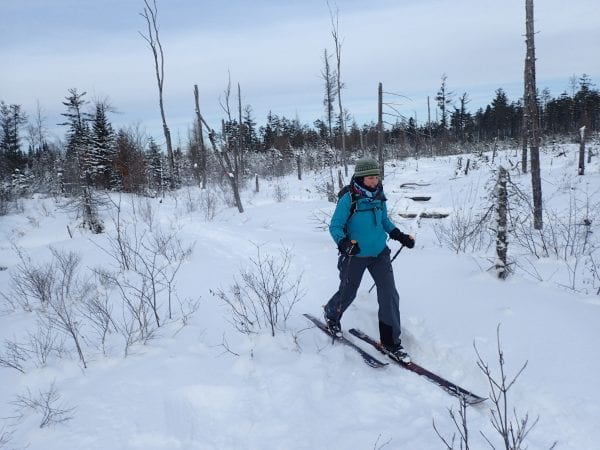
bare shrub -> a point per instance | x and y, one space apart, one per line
69 292
5 436
44 343
265 297
146 288
13 356
40 346
568 236
280 191
146 212
55 290
191 201
565 234
31 284
208 204
46 404
461 424
511 427
99 312
467 231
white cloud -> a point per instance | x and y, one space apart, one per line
274 50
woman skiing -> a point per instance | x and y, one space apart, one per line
360 226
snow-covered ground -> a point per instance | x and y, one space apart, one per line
201 384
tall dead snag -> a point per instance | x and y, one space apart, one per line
501 223
524 135
329 78
239 165
229 149
380 128
224 161
338 58
150 13
201 169
581 169
532 117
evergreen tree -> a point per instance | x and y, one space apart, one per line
501 115
460 119
155 167
102 150
444 100
250 137
12 117
77 157
586 103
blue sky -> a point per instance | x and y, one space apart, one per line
274 50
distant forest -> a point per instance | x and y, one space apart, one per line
95 155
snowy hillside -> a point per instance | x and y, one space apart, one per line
196 382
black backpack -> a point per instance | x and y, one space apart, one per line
353 198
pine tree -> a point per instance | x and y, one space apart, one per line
102 150
501 114
250 136
77 157
154 166
12 117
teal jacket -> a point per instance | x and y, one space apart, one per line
369 225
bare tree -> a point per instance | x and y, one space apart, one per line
335 26
524 132
200 140
380 128
581 168
329 78
150 13
501 223
222 153
530 109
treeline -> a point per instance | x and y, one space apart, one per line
94 154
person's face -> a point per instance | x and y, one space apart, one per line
371 181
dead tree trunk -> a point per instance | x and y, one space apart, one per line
225 164
150 14
338 57
531 109
524 133
380 128
200 141
581 169
239 168
501 223
299 166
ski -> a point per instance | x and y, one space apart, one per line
370 360
448 386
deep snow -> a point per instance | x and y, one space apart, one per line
184 390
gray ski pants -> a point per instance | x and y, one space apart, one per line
351 270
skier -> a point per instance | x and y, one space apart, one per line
360 226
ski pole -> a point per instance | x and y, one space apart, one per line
391 261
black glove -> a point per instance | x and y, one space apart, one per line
404 239
348 247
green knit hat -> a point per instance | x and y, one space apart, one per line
366 167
